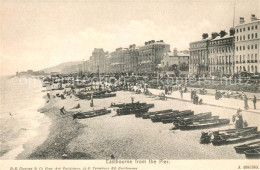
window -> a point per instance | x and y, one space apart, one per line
248 36
248 28
248 47
240 37
252 28
244 29
255 35
243 37
237 30
240 48
252 36
240 29
237 38
243 47
256 27
252 47
255 56
237 48
255 46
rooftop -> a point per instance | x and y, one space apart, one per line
179 54
246 23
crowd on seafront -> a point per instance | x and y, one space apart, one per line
139 83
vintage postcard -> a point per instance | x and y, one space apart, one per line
129 85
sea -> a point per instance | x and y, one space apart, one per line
20 122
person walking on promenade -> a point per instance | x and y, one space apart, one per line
246 102
254 101
191 94
132 98
216 95
166 90
181 94
92 102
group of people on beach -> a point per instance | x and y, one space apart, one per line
246 102
237 119
195 98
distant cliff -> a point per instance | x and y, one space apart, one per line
61 67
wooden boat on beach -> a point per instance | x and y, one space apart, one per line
106 95
170 119
223 140
96 95
158 117
191 118
253 153
172 115
204 124
132 110
206 136
82 95
136 104
248 146
90 114
147 115
127 104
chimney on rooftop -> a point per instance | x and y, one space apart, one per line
133 46
253 18
205 35
145 43
214 35
241 20
161 40
152 41
232 31
175 52
222 33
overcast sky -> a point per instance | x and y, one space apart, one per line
36 34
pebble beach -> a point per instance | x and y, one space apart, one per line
128 137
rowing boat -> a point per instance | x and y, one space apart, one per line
132 110
127 104
222 140
248 146
204 124
253 153
206 136
158 117
192 118
173 114
147 115
90 114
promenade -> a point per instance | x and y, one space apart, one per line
229 103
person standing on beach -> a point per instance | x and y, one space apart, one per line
48 95
246 102
254 101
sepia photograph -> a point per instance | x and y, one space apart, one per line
129 84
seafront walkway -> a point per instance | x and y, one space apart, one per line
213 91
229 103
